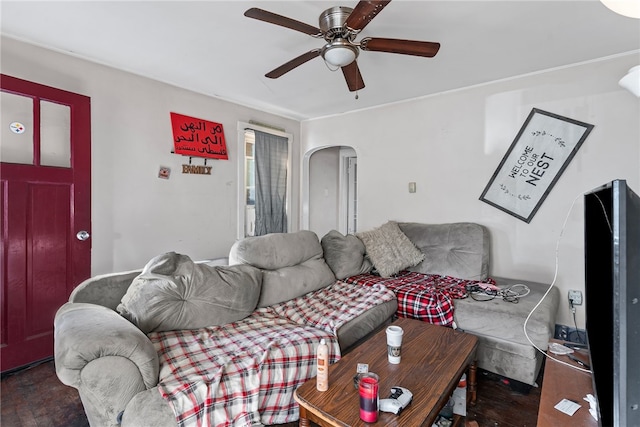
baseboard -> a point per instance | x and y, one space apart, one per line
13 371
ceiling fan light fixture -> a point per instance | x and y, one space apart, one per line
631 81
630 8
339 53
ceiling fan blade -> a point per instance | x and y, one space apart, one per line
404 47
295 62
353 77
283 21
363 13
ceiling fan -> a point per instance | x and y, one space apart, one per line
339 27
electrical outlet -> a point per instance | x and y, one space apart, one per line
575 297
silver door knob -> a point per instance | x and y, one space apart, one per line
83 235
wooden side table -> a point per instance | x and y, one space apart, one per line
563 382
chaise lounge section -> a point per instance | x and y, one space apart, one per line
463 250
459 252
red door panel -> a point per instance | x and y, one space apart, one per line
48 222
43 207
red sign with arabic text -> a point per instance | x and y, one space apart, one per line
198 138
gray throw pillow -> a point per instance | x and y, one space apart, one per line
390 249
344 254
174 293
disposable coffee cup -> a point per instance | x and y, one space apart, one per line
394 344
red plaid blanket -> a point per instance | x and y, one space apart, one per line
331 307
245 373
427 297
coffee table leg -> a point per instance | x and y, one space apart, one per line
472 392
304 422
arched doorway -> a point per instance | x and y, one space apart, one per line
330 190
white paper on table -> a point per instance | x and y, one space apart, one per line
567 406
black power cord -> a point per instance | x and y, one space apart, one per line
575 323
510 294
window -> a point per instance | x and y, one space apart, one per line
264 180
250 174
249 184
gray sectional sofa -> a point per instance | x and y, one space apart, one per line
102 344
101 350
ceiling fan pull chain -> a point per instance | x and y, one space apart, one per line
329 67
356 71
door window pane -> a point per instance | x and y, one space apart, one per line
16 145
55 134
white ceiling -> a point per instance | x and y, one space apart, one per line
211 48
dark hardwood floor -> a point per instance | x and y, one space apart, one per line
35 397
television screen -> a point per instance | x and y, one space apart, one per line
612 294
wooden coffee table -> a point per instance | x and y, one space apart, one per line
433 360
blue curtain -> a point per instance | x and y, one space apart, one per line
271 154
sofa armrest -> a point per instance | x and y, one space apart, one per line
106 289
86 332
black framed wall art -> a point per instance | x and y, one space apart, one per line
536 159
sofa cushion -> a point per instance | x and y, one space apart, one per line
291 263
458 250
503 347
389 249
362 326
276 250
345 254
174 293
505 320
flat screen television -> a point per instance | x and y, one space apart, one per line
612 300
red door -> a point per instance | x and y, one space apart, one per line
45 184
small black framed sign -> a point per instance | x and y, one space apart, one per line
539 154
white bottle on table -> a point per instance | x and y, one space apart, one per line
322 377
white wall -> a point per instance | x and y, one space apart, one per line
136 215
450 145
